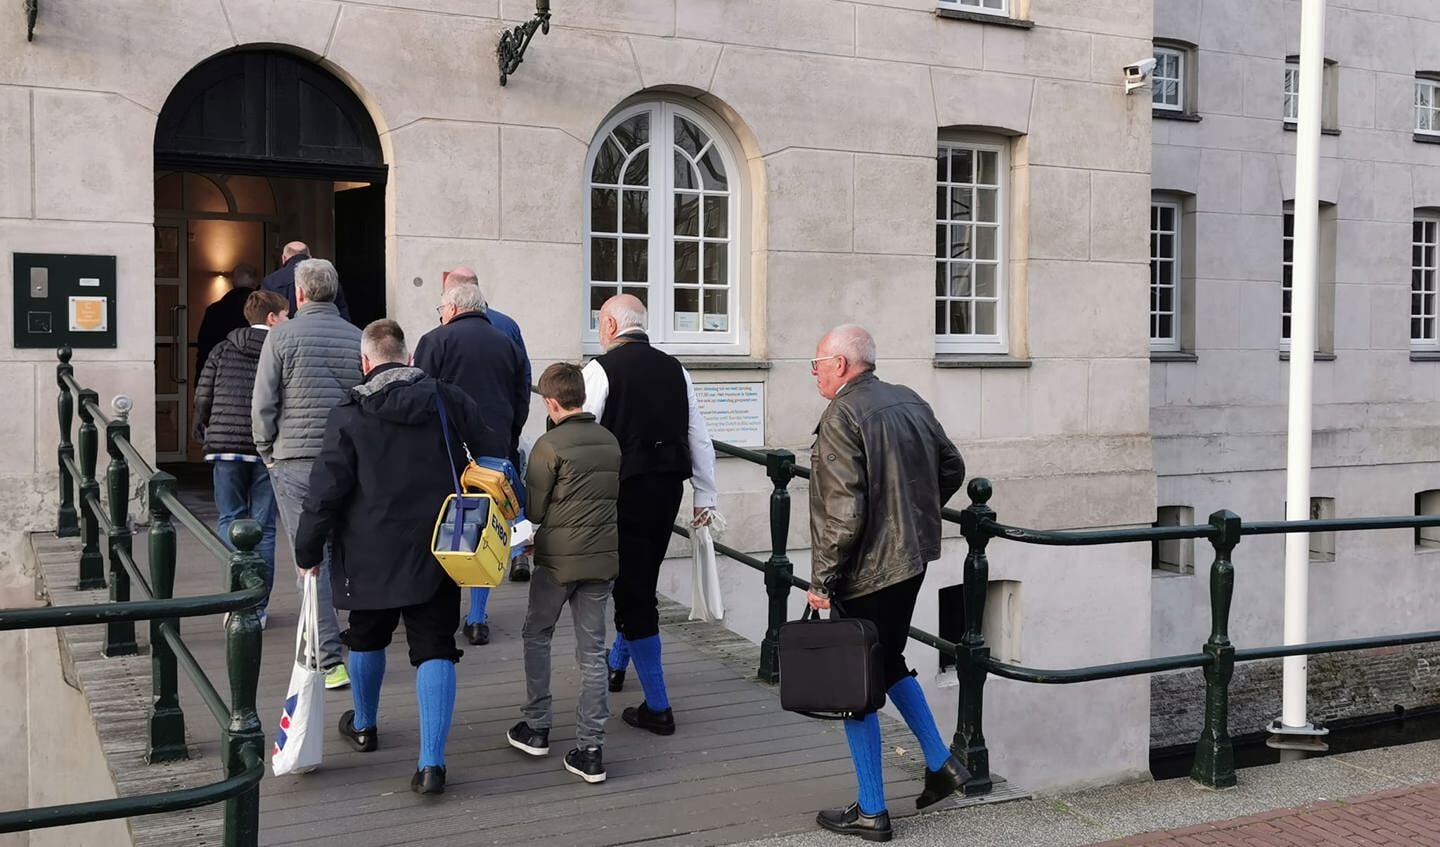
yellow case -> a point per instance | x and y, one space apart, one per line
476 479
484 568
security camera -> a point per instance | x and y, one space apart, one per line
1137 72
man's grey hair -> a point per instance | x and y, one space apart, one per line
627 315
465 298
853 342
245 276
384 341
318 279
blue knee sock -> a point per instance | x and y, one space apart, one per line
909 698
479 599
864 738
620 653
367 671
435 687
646 652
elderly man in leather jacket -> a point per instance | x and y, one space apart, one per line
882 468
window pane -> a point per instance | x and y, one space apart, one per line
942 165
634 132
962 167
687 263
960 241
715 264
635 257
603 210
940 312
942 242
960 281
985 318
689 137
598 295
960 317
635 214
687 214
986 243
687 310
961 204
640 293
607 163
987 281
986 205
1170 92
712 168
989 167
717 217
638 171
685 176
604 257
942 274
942 199
717 310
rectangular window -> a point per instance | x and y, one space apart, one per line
1168 84
1003 621
1174 556
1292 92
970 206
1427 504
1322 544
993 7
1425 243
1427 106
1287 274
1164 276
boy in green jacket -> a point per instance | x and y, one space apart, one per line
572 481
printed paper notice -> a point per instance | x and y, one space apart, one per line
734 412
89 314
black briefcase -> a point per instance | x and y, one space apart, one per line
831 669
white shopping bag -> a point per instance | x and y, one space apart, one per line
706 603
300 739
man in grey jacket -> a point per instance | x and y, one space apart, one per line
306 367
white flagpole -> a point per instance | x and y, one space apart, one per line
1302 356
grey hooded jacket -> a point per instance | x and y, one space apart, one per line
307 365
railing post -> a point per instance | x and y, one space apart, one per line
67 525
92 565
1215 754
242 649
119 635
780 467
969 744
167 720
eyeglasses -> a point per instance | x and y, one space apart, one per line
815 363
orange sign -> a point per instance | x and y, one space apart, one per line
88 314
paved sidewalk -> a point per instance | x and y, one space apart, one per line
1403 817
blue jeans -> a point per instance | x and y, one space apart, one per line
242 490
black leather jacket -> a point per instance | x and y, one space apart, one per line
882 467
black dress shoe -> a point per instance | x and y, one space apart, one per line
520 571
641 717
852 821
363 740
942 783
429 780
477 633
617 681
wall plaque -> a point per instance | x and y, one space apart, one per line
734 412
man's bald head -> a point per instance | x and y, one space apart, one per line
293 249
461 275
618 314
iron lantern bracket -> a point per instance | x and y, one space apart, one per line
514 42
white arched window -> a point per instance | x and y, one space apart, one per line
662 224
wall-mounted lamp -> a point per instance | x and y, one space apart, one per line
32 11
513 42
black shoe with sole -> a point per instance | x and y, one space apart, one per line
617 681
477 634
852 821
519 572
365 740
532 742
942 783
429 780
586 763
641 717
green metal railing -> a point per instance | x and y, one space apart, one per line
84 514
1214 755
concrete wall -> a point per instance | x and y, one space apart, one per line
836 108
1219 423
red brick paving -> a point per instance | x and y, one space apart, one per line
1402 817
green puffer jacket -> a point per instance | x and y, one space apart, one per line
572 480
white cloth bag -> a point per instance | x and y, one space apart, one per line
706 604
300 738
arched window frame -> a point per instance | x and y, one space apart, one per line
661 262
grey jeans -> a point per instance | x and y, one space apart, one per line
291 481
588 600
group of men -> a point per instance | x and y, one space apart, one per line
345 435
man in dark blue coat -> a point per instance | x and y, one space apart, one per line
462 275
282 279
471 353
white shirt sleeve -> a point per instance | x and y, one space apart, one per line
597 388
702 452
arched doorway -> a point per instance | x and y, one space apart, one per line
254 149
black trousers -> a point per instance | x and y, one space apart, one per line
647 508
429 627
890 609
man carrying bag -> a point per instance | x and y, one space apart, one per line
882 468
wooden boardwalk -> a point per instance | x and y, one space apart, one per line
737 769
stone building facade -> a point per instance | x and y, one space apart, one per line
809 163
1224 173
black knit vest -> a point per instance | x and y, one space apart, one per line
647 410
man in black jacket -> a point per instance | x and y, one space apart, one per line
468 351
222 424
375 489
225 315
282 279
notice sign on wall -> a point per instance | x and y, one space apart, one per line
734 412
89 314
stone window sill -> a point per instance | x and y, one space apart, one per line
1173 356
1324 130
724 363
1172 115
1425 355
983 18
1319 356
1426 138
979 360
